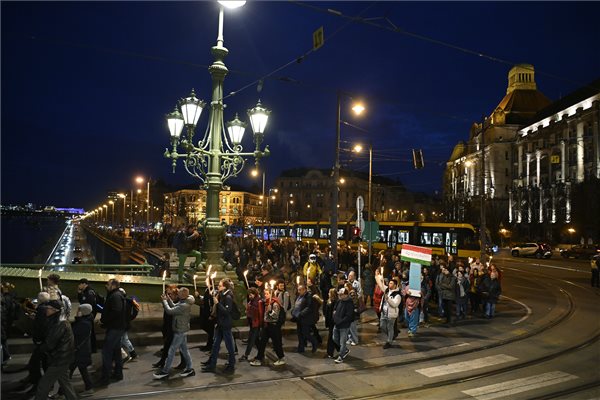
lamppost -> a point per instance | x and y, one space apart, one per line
287 208
358 109
112 219
124 197
262 198
105 214
140 180
271 197
358 149
571 232
216 157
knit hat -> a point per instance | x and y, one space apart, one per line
43 297
85 309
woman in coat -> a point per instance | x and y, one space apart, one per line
368 284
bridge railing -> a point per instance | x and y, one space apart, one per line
114 269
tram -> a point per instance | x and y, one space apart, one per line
458 239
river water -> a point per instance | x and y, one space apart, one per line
29 239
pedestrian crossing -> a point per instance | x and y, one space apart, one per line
464 366
509 388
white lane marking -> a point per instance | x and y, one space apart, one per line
508 388
527 315
465 365
549 266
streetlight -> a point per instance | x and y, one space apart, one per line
287 212
358 148
216 157
358 109
105 213
262 197
112 222
124 197
140 180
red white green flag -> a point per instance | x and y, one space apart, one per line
416 254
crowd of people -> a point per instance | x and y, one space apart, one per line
284 281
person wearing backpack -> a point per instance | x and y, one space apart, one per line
274 316
390 304
131 311
114 321
224 312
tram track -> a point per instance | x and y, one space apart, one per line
312 379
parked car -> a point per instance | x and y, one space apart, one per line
585 251
77 260
77 249
537 250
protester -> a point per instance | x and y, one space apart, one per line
343 315
223 304
167 330
82 332
412 310
389 309
255 315
447 288
181 325
87 295
274 315
304 317
494 290
329 323
113 319
59 347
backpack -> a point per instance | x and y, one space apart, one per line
235 311
100 301
281 316
132 308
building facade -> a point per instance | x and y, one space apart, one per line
556 153
305 194
188 206
532 151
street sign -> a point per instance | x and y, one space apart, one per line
555 159
370 231
416 254
360 205
318 38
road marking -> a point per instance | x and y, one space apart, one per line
547 266
508 388
527 315
465 365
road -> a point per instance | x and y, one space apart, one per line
542 344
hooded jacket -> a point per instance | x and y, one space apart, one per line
343 314
181 313
390 303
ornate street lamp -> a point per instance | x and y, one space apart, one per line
217 156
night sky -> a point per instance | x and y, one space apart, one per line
86 85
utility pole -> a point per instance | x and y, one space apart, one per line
482 228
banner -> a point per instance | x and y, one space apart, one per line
416 254
414 279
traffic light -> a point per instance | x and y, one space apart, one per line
356 234
418 161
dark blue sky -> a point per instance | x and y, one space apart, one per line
86 85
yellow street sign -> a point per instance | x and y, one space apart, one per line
318 38
555 159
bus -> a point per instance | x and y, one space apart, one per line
459 239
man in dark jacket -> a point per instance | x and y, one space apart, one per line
60 349
113 319
447 292
303 314
82 331
187 244
223 304
87 295
343 315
